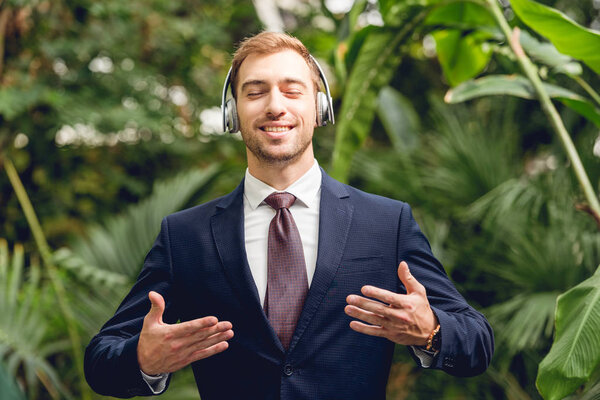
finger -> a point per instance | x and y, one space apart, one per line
198 327
363 315
201 335
211 341
382 295
410 282
207 352
158 307
373 306
198 355
367 329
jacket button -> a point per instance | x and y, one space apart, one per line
288 370
448 362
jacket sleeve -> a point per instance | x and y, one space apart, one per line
110 364
467 338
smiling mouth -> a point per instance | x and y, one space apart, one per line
276 128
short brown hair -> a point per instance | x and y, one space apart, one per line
270 43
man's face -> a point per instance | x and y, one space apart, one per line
276 107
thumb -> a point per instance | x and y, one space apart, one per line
158 307
409 281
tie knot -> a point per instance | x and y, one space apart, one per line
280 200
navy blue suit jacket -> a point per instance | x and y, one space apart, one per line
199 265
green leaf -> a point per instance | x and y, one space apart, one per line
394 12
461 14
546 53
568 36
575 353
8 388
462 56
519 86
377 59
399 118
15 101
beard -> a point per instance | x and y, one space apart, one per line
262 152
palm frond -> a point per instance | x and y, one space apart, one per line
23 345
468 157
523 322
121 244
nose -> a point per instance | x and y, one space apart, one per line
275 107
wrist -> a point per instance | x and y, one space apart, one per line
434 340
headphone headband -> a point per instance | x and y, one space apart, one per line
324 104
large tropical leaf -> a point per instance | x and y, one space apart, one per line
24 347
519 86
462 55
575 353
546 53
400 119
394 12
462 48
378 58
568 36
462 15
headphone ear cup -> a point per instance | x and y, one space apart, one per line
322 109
231 115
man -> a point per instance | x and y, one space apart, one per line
317 279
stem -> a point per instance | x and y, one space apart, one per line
530 71
593 94
46 254
3 22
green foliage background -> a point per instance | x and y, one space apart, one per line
107 110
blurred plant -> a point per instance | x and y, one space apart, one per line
8 388
567 366
24 346
97 99
50 268
107 260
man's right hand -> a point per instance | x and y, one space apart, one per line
166 348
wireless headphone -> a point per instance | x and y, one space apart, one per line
324 105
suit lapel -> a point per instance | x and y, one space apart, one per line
335 217
227 226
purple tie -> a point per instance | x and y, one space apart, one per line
287 284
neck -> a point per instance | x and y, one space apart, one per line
280 175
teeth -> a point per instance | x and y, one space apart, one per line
276 128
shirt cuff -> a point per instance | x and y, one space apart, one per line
156 383
426 357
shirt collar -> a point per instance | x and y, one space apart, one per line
304 188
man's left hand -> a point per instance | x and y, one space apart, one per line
402 318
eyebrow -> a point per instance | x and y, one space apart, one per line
259 82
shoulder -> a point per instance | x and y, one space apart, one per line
203 212
374 199
359 197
